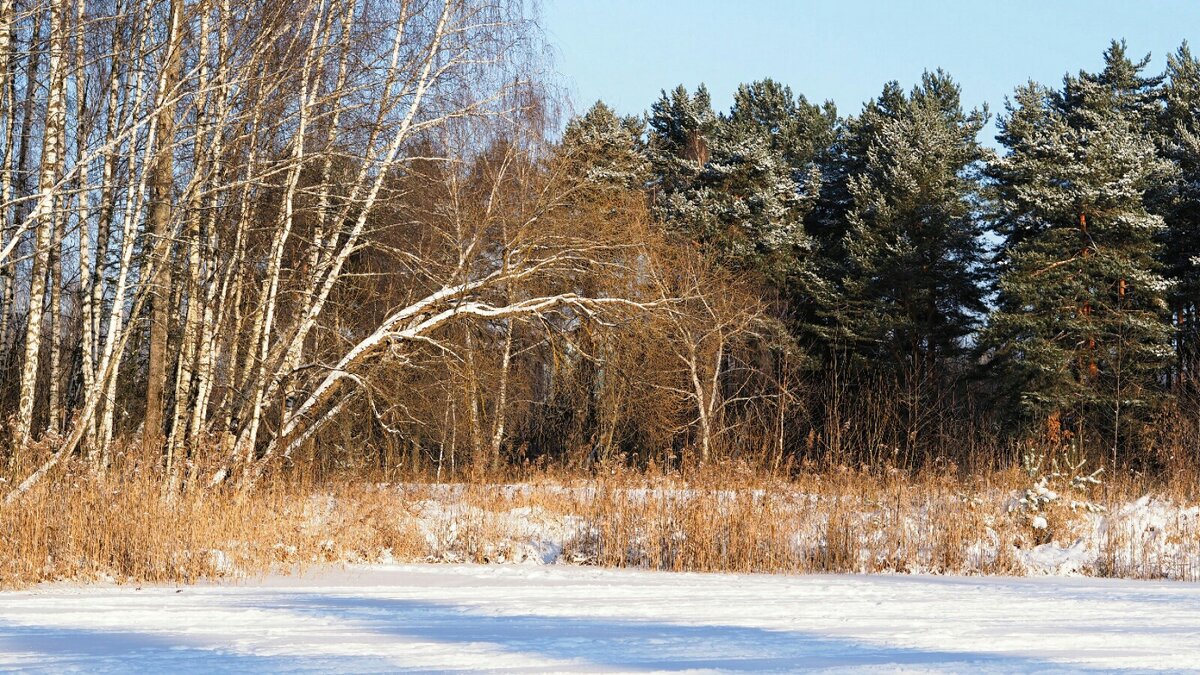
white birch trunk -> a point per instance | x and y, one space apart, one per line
43 215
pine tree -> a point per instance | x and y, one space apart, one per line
1179 203
845 158
828 222
682 127
801 134
798 131
723 185
1079 335
912 274
1135 96
606 149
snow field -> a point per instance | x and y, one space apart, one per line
578 619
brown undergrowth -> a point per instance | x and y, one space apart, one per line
727 517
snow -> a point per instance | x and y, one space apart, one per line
559 618
1152 537
1146 538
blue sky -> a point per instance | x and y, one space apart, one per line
626 51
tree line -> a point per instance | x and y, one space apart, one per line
1041 293
240 236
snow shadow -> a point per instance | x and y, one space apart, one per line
629 644
54 649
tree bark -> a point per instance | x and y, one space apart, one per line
43 216
161 189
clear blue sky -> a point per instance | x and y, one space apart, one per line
626 51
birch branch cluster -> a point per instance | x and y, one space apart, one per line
236 234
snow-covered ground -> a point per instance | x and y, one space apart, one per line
579 619
1148 538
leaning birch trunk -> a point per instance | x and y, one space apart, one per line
413 323
107 211
323 242
117 336
107 372
110 356
423 81
270 288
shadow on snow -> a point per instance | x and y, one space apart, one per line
640 644
580 643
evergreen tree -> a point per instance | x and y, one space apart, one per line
846 157
1179 203
798 131
606 149
682 127
801 134
1079 335
828 222
723 185
912 274
1134 95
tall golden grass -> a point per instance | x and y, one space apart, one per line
725 517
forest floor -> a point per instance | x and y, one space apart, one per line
563 618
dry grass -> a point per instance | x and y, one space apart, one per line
725 518
123 529
839 521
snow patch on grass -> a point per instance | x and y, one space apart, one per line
980 533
